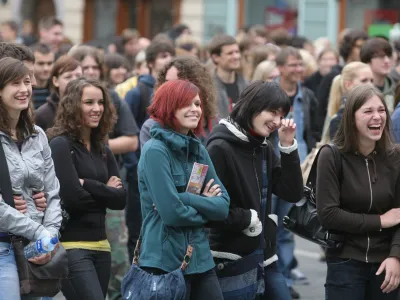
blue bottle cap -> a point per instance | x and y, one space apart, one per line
54 240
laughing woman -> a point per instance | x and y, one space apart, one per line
89 184
238 148
31 169
365 206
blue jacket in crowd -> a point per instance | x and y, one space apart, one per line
179 217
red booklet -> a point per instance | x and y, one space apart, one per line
197 178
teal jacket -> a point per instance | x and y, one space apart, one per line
179 217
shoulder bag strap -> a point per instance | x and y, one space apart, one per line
5 181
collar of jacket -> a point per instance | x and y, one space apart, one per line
176 141
242 134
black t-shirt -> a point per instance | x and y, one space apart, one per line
232 90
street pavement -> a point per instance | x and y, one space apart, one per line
307 255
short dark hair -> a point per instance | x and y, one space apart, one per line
256 98
12 24
349 39
219 41
299 42
17 51
48 22
373 47
41 48
283 55
157 47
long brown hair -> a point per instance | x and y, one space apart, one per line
69 120
347 136
10 70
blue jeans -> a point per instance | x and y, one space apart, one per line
275 284
356 280
9 282
285 239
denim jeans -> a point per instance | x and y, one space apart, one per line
9 282
204 286
284 240
133 211
356 280
89 273
275 284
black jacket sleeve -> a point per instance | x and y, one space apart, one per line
323 96
287 179
112 198
238 218
74 196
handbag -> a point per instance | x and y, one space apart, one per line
302 218
243 279
138 284
35 280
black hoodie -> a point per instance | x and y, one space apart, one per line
237 160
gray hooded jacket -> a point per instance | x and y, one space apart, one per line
31 169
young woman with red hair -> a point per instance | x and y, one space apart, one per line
172 217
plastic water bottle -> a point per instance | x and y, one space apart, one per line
42 246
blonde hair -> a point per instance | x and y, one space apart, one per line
349 73
263 70
310 64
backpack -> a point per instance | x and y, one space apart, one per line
302 218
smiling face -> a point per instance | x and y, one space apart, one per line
267 122
118 75
63 79
16 95
370 120
92 106
189 116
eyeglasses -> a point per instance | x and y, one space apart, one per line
381 56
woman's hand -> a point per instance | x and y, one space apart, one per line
212 191
391 266
40 201
41 260
20 204
287 132
115 182
390 218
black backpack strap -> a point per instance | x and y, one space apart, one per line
5 180
144 102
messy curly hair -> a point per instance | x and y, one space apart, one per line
192 70
69 117
12 70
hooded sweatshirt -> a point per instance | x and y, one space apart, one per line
353 206
237 158
46 114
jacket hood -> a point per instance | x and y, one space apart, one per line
389 86
147 80
228 131
176 141
395 75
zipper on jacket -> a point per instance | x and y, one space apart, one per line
370 206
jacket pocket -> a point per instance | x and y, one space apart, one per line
180 182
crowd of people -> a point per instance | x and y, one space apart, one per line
111 133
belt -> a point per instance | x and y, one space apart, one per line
5 237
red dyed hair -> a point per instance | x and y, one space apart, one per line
168 98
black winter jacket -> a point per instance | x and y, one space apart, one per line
238 163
